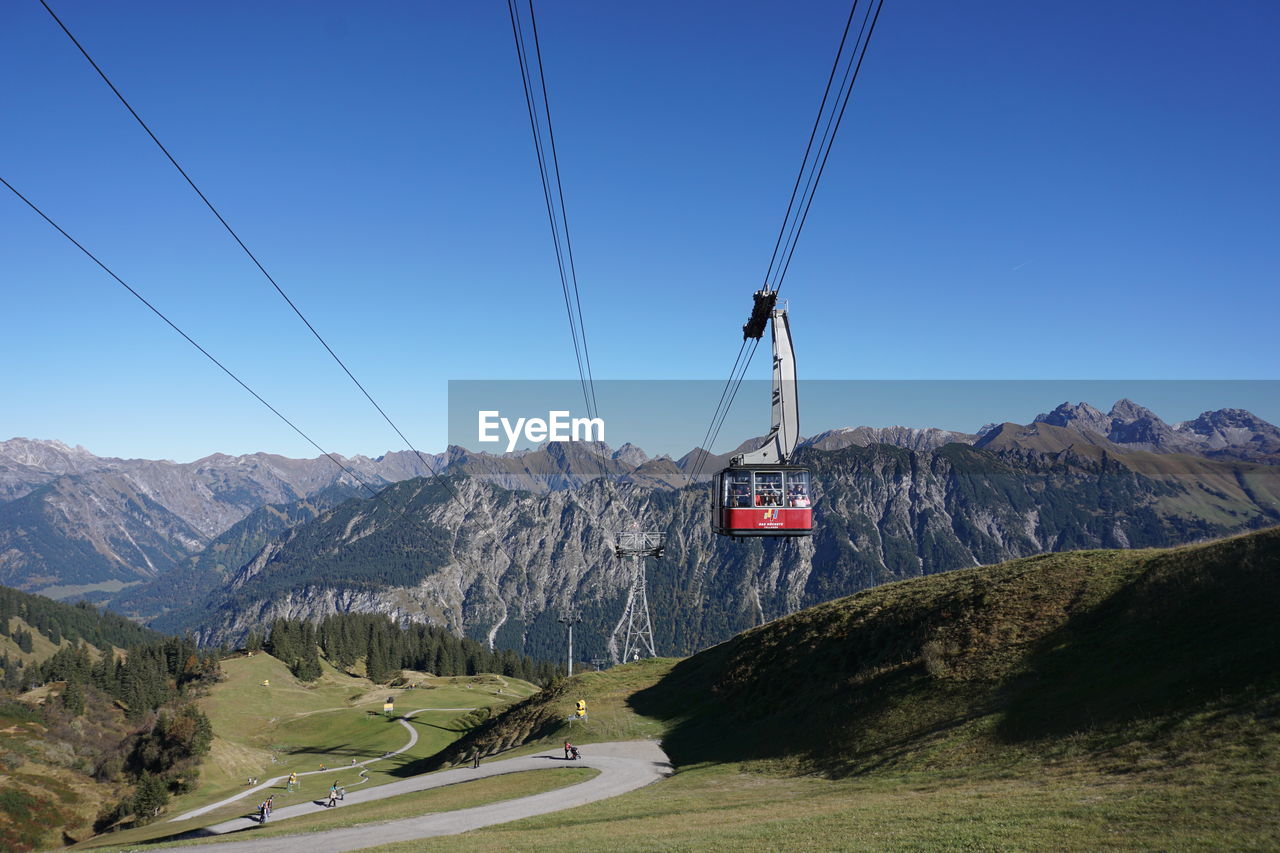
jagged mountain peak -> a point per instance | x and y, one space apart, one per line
45 454
1080 417
1207 422
631 455
1128 411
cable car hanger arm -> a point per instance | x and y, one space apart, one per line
780 443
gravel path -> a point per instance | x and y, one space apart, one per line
262 786
623 766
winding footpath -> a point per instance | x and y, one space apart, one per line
624 766
262 786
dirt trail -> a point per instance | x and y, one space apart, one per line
623 766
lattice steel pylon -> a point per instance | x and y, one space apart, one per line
635 626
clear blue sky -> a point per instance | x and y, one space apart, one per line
1020 191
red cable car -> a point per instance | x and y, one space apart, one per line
760 494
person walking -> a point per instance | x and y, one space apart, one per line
475 757
333 796
567 746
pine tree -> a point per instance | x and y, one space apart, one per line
73 698
151 796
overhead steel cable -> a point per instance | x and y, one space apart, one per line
801 201
568 242
232 232
731 387
431 469
817 120
696 465
557 214
187 337
860 51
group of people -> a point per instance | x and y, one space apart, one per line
264 808
571 752
796 497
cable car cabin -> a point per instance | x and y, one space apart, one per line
764 500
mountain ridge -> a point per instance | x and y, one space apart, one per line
77 524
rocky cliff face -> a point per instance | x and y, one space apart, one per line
72 523
498 565
898 436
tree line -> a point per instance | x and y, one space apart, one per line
387 648
128 718
57 620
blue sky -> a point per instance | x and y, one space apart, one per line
1019 191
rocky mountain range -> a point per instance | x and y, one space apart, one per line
153 537
1225 433
500 565
71 520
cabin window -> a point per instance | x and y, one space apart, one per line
768 488
737 489
798 489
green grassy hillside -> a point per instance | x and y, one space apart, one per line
1108 698
267 723
1104 653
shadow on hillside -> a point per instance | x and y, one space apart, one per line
801 713
819 692
1197 626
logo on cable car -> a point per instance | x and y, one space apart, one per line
558 426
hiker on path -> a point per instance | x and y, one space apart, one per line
262 812
333 796
475 757
293 782
567 746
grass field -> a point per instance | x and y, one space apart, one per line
288 726
332 721
464 795
545 719
1077 701
1119 700
723 807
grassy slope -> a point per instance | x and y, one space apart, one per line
41 783
1079 700
543 721
1097 648
303 725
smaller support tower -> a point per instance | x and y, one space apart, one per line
635 625
570 618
